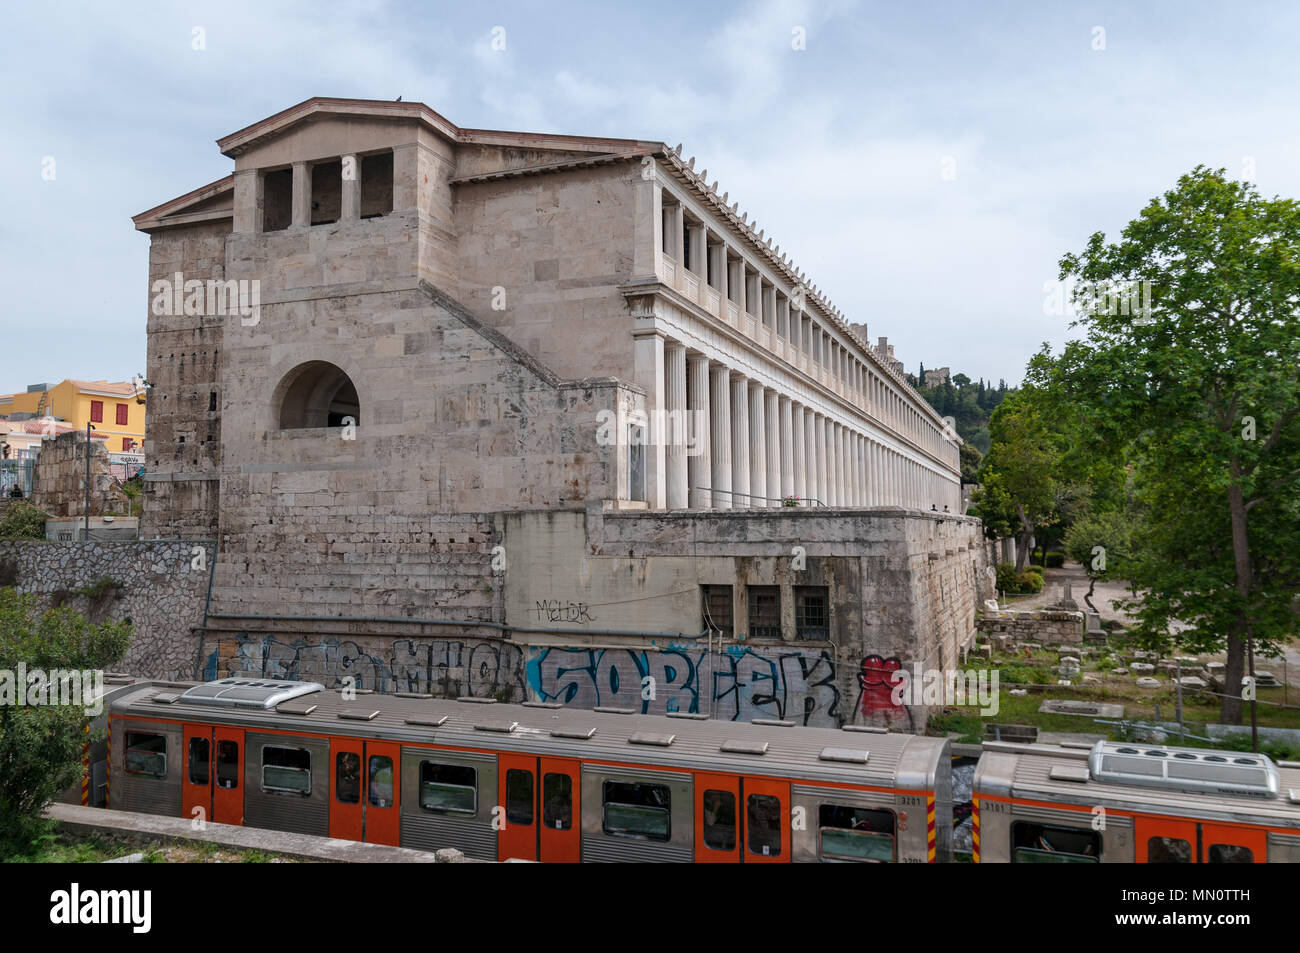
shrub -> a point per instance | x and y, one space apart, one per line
1007 577
1036 570
1055 560
22 521
1030 582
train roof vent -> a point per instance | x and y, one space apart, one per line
166 698
423 696
731 746
263 694
614 711
359 714
692 715
475 700
846 755
504 727
651 738
869 729
1184 769
1293 795
427 721
772 722
542 705
1069 772
580 734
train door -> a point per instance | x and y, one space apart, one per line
213 784
1160 840
365 791
767 821
1233 845
517 779
717 819
560 835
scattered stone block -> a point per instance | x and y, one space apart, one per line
1266 679
1146 681
1084 709
1120 671
1142 668
1191 681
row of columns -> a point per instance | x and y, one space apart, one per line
755 446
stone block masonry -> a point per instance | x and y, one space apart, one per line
1046 626
159 591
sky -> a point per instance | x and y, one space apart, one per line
926 164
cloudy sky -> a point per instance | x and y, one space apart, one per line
925 163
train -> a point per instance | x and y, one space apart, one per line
541 782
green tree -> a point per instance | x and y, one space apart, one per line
40 746
1020 488
970 463
1101 542
1201 382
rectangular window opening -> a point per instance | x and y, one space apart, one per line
638 810
448 788
326 192
146 754
277 200
286 770
1045 844
718 609
811 613
855 834
376 185
765 612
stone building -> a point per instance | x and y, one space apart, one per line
544 394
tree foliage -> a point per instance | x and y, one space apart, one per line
1200 389
40 747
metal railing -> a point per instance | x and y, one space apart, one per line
779 500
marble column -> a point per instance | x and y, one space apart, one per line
698 450
806 474
351 210
787 447
757 445
855 472
678 488
800 488
301 209
648 352
740 439
720 435
772 417
823 488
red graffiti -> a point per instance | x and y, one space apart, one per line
877 686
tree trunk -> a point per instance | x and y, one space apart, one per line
1026 535
1239 628
1087 596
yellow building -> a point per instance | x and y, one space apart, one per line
114 409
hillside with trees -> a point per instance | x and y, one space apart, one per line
970 405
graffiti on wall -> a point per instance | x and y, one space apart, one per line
876 684
739 684
447 667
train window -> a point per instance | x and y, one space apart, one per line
557 801
519 796
719 820
1043 844
227 764
1230 854
763 825
1168 850
146 754
380 788
860 834
635 809
347 777
286 770
448 788
200 760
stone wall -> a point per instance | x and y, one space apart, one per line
161 591
1050 627
183 416
59 479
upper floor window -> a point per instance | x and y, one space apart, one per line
97 411
764 612
121 415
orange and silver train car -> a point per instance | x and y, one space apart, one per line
1120 802
533 781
